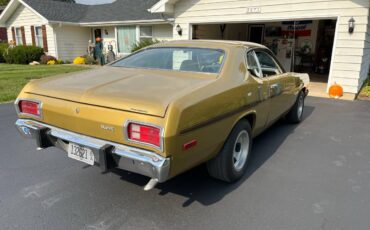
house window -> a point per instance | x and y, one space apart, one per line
18 36
38 37
146 33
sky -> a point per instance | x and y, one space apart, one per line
92 2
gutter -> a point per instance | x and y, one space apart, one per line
132 22
114 23
64 23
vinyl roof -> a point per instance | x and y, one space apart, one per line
213 44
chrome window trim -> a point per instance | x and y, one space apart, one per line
39 107
267 51
273 59
161 134
255 58
172 70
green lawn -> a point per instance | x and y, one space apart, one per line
365 92
14 77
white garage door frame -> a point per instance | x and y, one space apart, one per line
326 17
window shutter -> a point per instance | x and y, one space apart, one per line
13 34
23 35
33 35
44 38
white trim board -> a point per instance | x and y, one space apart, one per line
269 19
330 77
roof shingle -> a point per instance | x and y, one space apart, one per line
120 10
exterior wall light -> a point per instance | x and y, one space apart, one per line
351 25
179 30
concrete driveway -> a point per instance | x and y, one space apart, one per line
312 176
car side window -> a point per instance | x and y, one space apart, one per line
253 66
269 66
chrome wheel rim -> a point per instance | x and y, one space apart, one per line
241 150
300 107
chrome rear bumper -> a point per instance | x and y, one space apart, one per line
107 154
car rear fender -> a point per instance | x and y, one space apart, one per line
250 116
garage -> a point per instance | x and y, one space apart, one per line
300 46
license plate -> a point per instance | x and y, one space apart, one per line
81 154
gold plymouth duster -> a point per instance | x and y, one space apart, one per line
165 109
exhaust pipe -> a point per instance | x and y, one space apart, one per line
151 184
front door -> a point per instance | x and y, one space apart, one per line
126 36
97 34
256 33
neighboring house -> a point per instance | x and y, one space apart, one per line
3 35
64 29
321 25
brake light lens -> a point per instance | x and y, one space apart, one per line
144 133
29 107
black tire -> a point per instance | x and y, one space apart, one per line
224 166
296 113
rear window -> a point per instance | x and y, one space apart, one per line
176 59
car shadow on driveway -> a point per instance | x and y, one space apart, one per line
197 185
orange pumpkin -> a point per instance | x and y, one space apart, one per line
336 91
98 39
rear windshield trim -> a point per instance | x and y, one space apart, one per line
170 70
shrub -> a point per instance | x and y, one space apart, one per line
23 54
3 48
46 58
90 60
79 61
143 44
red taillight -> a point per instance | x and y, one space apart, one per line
29 107
144 133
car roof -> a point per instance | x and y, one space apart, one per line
209 44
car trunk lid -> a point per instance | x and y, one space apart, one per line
141 91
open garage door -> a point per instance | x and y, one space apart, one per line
301 46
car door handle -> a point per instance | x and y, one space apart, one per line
275 89
275 86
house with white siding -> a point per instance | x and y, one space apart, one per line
329 39
64 29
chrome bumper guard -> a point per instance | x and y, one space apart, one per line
107 154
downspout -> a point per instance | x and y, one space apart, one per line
56 41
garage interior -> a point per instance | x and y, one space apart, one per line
301 46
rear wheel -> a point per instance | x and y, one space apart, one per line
230 164
296 113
